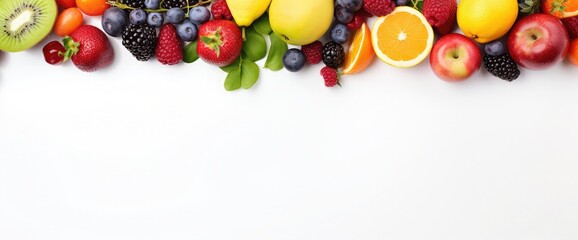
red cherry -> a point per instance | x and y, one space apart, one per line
53 52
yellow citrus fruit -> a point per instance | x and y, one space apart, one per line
246 11
402 38
486 20
360 53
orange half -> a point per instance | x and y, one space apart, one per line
402 38
360 53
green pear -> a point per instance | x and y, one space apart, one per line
300 22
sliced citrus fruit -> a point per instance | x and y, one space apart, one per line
402 38
360 53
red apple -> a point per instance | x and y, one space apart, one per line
538 41
455 57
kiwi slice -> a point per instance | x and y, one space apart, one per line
24 23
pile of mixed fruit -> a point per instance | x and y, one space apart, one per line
235 34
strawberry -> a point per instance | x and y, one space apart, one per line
220 42
441 14
88 48
169 49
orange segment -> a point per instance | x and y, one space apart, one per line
360 52
403 38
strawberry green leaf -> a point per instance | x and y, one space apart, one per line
276 52
255 46
190 53
233 80
232 66
249 73
262 25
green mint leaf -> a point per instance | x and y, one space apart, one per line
276 52
249 73
229 68
190 53
233 80
262 25
255 46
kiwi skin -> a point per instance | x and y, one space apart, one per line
24 23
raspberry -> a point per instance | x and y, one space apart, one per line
220 10
441 14
330 76
312 52
169 50
357 21
379 7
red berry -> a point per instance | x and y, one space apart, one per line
169 50
312 52
441 14
379 7
220 10
330 76
357 21
53 52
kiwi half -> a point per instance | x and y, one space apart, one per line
24 23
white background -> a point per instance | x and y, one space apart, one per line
145 151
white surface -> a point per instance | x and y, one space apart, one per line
144 151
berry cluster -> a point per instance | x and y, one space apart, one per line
349 16
136 22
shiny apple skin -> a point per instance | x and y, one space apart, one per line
455 58
538 41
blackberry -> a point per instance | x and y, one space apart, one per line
333 54
502 66
134 3
140 40
178 3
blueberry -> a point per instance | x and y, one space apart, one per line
137 16
152 4
113 21
155 19
293 60
343 15
351 5
400 2
175 15
199 15
187 31
495 48
340 34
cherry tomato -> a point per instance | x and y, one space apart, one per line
68 21
92 7
53 52
64 4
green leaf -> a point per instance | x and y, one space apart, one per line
275 57
262 24
233 80
249 73
255 46
417 4
232 66
190 53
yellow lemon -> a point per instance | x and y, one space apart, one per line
486 20
246 11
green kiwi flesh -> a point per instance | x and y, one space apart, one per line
24 23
